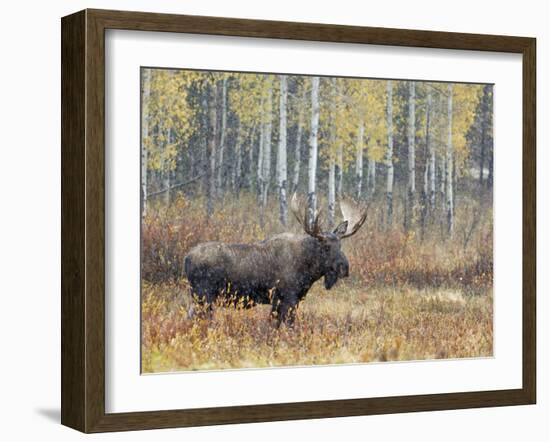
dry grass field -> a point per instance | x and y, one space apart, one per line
344 325
410 296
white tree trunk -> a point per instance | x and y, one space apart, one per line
250 165
236 179
259 172
298 145
431 153
411 184
250 178
221 147
237 170
389 154
442 179
166 172
449 166
331 191
281 152
339 151
332 163
204 145
266 162
426 196
371 177
297 158
212 148
146 92
359 160
313 145
340 171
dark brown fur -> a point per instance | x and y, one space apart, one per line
277 271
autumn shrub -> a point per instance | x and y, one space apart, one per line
409 295
398 257
378 254
168 233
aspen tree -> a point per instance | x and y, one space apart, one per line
281 151
313 145
389 155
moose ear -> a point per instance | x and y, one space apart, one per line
341 229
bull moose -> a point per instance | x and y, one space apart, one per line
278 271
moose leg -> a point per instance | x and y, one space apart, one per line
191 310
203 298
200 307
274 308
286 306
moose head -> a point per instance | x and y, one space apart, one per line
333 261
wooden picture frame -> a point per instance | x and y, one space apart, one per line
83 220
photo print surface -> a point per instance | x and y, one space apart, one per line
291 220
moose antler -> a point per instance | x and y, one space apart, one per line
313 229
353 216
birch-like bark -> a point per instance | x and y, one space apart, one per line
221 148
146 92
411 183
297 159
259 177
166 171
442 180
389 154
359 160
298 145
205 148
281 152
238 160
250 165
331 191
313 145
449 166
339 155
332 163
425 203
340 170
371 177
431 152
266 162
212 152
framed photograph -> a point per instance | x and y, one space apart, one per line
266 220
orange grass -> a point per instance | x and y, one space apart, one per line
345 325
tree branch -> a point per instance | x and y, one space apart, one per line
176 186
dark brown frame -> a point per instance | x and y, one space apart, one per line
83 216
